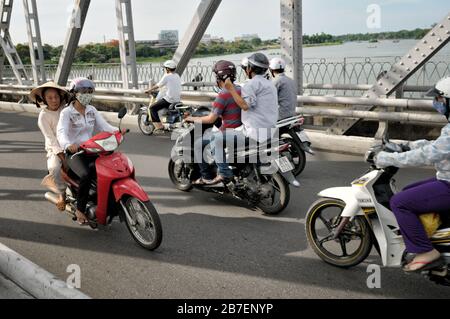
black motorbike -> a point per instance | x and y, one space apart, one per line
267 190
291 131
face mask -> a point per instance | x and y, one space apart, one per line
440 107
84 98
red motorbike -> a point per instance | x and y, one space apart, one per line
115 192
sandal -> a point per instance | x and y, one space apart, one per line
202 181
83 221
426 265
159 131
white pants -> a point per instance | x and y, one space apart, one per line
54 169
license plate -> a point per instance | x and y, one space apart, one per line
284 164
303 137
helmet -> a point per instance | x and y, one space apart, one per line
244 63
442 88
277 64
258 60
225 70
170 64
82 85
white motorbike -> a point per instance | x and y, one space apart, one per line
344 225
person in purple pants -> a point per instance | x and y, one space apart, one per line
430 196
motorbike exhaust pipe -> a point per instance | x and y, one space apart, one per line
53 198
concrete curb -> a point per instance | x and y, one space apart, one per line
321 141
33 279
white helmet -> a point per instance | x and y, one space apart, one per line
277 64
442 88
170 64
244 63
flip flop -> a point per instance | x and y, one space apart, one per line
427 265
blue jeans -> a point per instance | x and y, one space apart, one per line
221 139
199 156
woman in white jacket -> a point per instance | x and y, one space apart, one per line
54 98
77 124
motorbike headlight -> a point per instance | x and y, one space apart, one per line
109 144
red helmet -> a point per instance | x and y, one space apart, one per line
225 70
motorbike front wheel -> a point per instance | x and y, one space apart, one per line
178 175
350 248
145 126
143 222
279 195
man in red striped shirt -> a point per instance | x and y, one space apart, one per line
224 107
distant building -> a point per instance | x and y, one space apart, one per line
208 39
247 37
168 36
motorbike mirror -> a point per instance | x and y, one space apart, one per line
122 112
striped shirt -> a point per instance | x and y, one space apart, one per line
225 107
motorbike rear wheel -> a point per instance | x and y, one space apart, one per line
143 222
297 157
276 203
146 128
356 234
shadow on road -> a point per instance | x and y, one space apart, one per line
249 246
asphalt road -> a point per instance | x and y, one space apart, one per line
213 246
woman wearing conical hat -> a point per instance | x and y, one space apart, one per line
53 98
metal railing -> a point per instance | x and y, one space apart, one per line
412 111
348 71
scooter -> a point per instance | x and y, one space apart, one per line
267 190
171 118
346 222
292 132
115 192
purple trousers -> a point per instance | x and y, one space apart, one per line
430 196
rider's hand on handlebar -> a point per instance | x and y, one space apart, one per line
73 148
124 131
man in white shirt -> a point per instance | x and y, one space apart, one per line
258 101
170 86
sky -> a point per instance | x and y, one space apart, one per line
233 18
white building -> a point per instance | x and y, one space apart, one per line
208 39
168 36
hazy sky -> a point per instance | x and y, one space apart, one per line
233 18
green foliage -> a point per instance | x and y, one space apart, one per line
109 52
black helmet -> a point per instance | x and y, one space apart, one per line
259 63
225 70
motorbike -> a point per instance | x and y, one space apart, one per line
291 131
268 191
171 118
345 223
115 191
